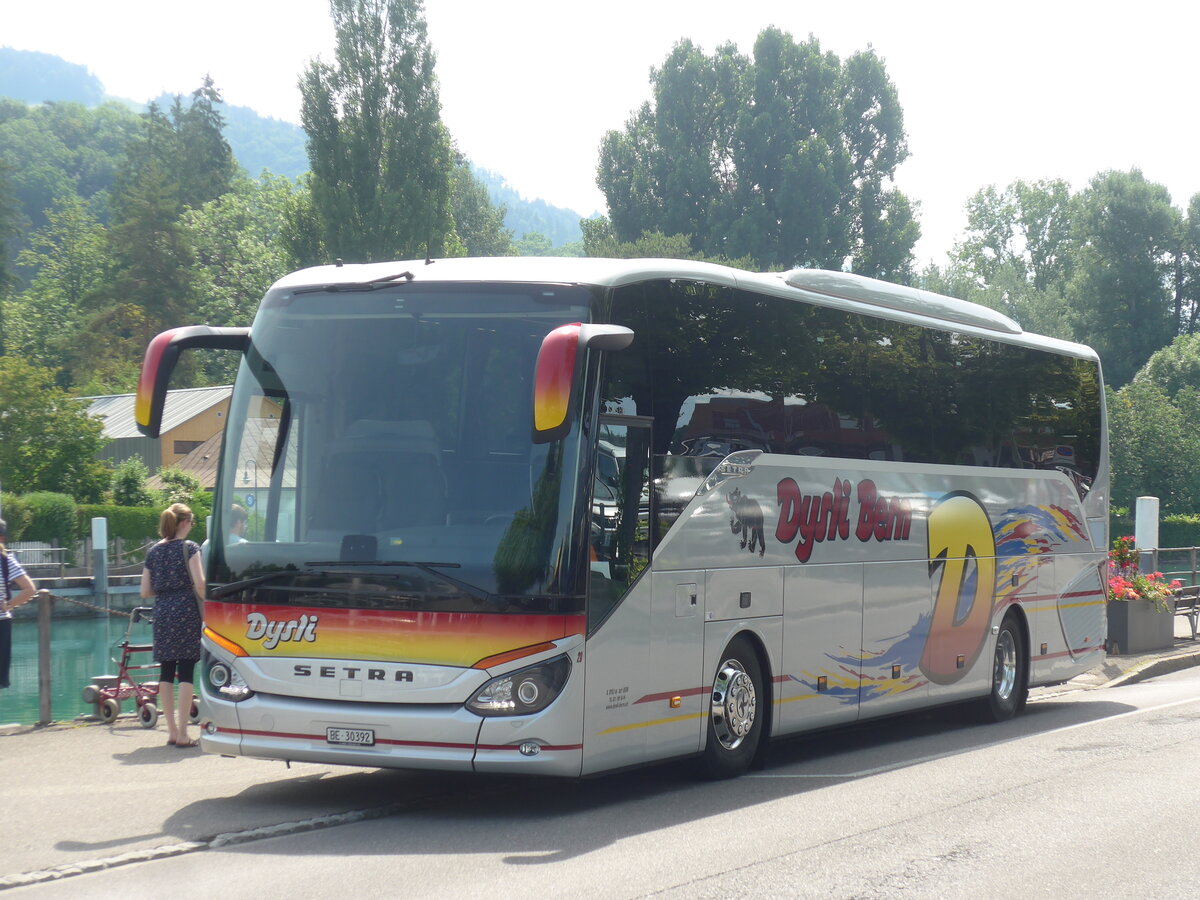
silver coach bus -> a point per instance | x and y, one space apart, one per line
565 516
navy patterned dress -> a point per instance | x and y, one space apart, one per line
176 614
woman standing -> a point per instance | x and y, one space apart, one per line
173 576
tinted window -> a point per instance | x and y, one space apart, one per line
722 370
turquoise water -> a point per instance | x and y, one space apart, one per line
79 649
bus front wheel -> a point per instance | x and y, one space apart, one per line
1010 675
735 719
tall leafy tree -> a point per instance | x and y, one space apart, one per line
1174 367
205 167
1187 271
70 258
381 158
240 249
478 224
1154 447
48 442
1126 233
787 159
8 226
1016 255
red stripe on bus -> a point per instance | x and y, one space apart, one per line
395 743
667 695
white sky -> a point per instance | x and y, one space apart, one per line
991 92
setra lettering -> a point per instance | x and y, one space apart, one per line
303 670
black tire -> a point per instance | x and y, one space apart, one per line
148 715
194 712
1010 675
736 712
109 710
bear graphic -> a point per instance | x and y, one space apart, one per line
747 520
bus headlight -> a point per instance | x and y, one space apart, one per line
225 680
522 692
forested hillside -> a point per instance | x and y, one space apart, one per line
530 217
33 77
260 143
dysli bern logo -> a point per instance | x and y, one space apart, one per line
272 632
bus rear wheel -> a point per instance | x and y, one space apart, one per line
1010 675
735 719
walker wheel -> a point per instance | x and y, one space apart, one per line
109 710
148 715
90 694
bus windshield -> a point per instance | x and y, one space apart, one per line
378 453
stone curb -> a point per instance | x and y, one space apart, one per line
1153 667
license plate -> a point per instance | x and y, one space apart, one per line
357 737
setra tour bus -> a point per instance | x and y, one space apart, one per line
565 516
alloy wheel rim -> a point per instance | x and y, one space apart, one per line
733 704
1005 676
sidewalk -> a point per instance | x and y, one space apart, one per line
81 797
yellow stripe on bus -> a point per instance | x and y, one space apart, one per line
618 728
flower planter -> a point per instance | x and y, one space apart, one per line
1136 626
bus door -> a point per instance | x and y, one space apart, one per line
620 706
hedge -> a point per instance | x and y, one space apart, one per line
133 523
52 518
1176 530
17 515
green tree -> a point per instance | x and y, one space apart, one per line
1016 254
240 250
129 484
787 159
1154 448
1125 231
70 258
1174 367
8 230
179 486
478 224
204 162
1187 271
599 240
533 243
58 150
381 158
47 439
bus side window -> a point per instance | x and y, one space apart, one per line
620 525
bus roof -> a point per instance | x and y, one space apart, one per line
841 290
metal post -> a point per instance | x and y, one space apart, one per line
1145 530
45 609
100 561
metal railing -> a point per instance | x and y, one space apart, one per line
1176 562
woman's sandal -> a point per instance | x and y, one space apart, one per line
185 744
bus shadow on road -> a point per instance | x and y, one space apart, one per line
537 820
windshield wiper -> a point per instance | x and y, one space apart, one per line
335 286
234 586
429 568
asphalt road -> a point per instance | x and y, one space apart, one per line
1088 792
